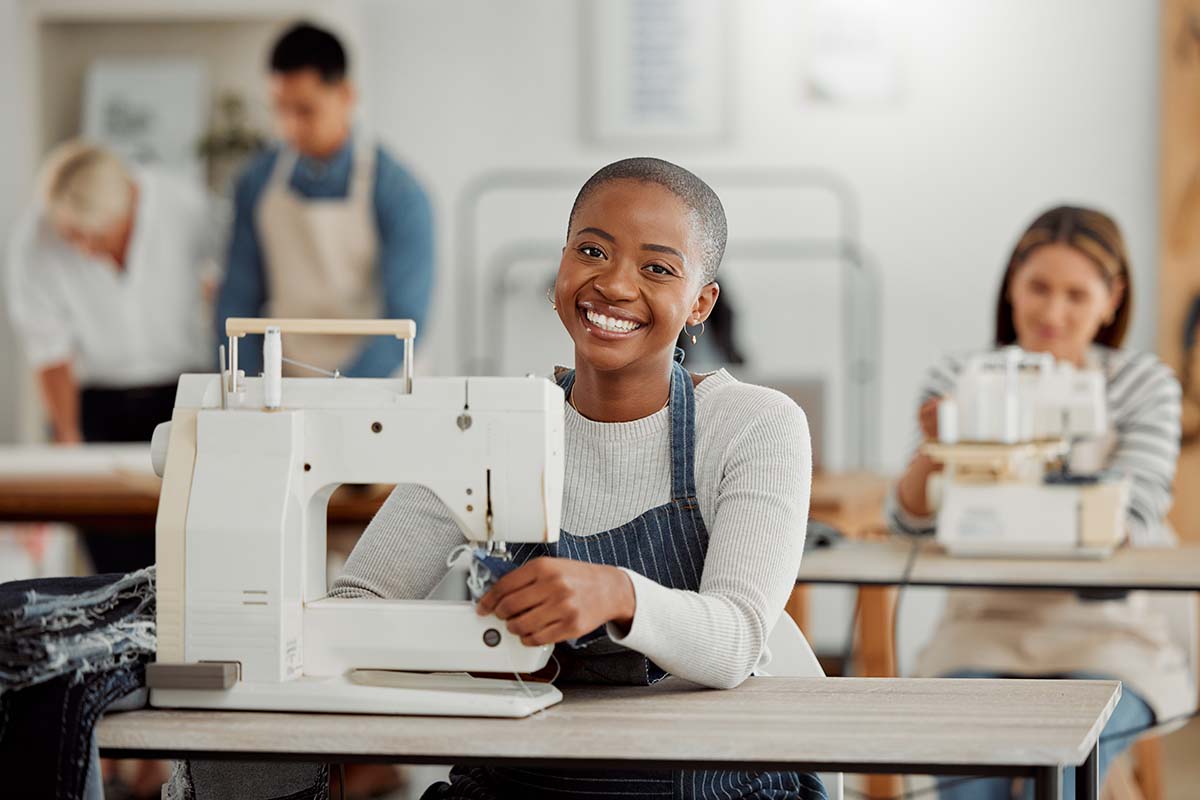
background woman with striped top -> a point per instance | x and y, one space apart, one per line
1067 292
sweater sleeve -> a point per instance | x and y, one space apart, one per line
715 636
402 553
939 381
38 315
1148 397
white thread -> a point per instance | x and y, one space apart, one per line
477 573
313 367
528 692
477 577
458 551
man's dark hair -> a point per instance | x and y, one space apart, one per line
708 215
305 46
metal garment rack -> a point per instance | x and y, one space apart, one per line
861 338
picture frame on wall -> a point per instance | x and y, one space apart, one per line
149 110
656 72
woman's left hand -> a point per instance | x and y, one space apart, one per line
550 600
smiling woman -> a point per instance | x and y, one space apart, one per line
644 241
685 496
1067 286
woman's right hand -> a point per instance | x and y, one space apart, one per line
927 417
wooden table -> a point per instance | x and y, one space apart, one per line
112 487
851 502
103 486
943 727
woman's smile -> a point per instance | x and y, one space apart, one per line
607 322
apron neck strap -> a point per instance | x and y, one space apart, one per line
683 433
682 413
362 168
285 164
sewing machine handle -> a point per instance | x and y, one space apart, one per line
404 329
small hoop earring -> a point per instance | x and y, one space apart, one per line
550 298
694 335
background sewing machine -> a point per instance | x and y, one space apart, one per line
248 465
1006 436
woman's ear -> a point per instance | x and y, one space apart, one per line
704 303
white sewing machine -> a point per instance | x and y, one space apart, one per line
1003 435
248 465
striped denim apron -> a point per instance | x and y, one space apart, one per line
667 544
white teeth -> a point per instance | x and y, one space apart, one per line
612 323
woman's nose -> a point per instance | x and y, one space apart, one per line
618 282
1055 310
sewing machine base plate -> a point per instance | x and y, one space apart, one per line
375 692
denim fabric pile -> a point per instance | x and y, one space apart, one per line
69 649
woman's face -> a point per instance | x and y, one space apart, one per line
630 275
1060 301
95 244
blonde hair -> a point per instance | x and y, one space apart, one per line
86 185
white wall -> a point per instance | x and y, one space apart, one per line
1009 105
17 151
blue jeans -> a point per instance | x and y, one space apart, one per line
69 649
51 627
1131 712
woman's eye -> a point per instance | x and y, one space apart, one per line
1077 297
591 251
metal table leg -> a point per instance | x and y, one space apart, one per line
1047 783
1087 776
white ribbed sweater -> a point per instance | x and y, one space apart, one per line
753 471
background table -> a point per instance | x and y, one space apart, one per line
883 563
877 566
113 486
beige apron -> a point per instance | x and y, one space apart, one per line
1055 633
320 259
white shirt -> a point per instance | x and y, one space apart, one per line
140 326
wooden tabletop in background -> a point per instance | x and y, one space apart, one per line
82 492
883 563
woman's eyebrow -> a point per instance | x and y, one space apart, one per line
662 248
601 233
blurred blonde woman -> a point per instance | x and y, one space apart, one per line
104 290
1067 291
